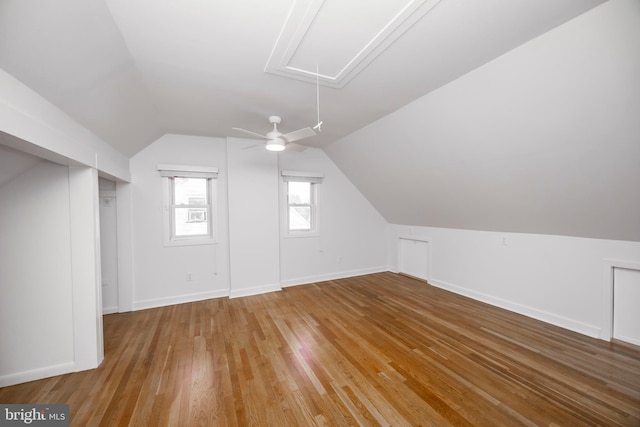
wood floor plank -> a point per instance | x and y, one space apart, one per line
381 349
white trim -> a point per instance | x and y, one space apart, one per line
563 322
606 331
37 374
188 171
180 299
333 276
255 290
314 177
301 174
629 340
110 310
86 275
190 241
417 238
303 15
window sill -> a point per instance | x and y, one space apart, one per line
189 242
301 235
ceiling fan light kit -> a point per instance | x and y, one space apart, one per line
275 145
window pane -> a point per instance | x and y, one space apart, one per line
191 222
190 191
299 218
299 193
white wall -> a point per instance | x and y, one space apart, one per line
557 279
251 255
36 305
108 245
253 218
543 140
159 271
60 297
352 233
124 221
50 312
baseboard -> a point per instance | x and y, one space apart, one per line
256 290
554 319
36 374
109 310
333 276
180 299
628 340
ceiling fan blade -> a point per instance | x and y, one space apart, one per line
248 132
299 134
292 146
254 147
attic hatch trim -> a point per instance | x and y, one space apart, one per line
296 31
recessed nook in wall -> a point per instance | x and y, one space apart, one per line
414 257
608 286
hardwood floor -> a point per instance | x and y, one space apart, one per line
381 349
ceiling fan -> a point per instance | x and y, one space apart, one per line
277 141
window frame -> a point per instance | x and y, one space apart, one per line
169 173
314 179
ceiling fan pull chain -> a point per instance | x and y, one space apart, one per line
319 125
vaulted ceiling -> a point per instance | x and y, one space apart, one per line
505 115
131 71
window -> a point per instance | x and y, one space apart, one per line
189 206
189 201
299 197
301 203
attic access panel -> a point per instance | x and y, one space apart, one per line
340 38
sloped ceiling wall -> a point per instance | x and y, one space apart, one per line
14 162
73 55
545 139
131 71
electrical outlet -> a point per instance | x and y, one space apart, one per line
339 260
189 277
